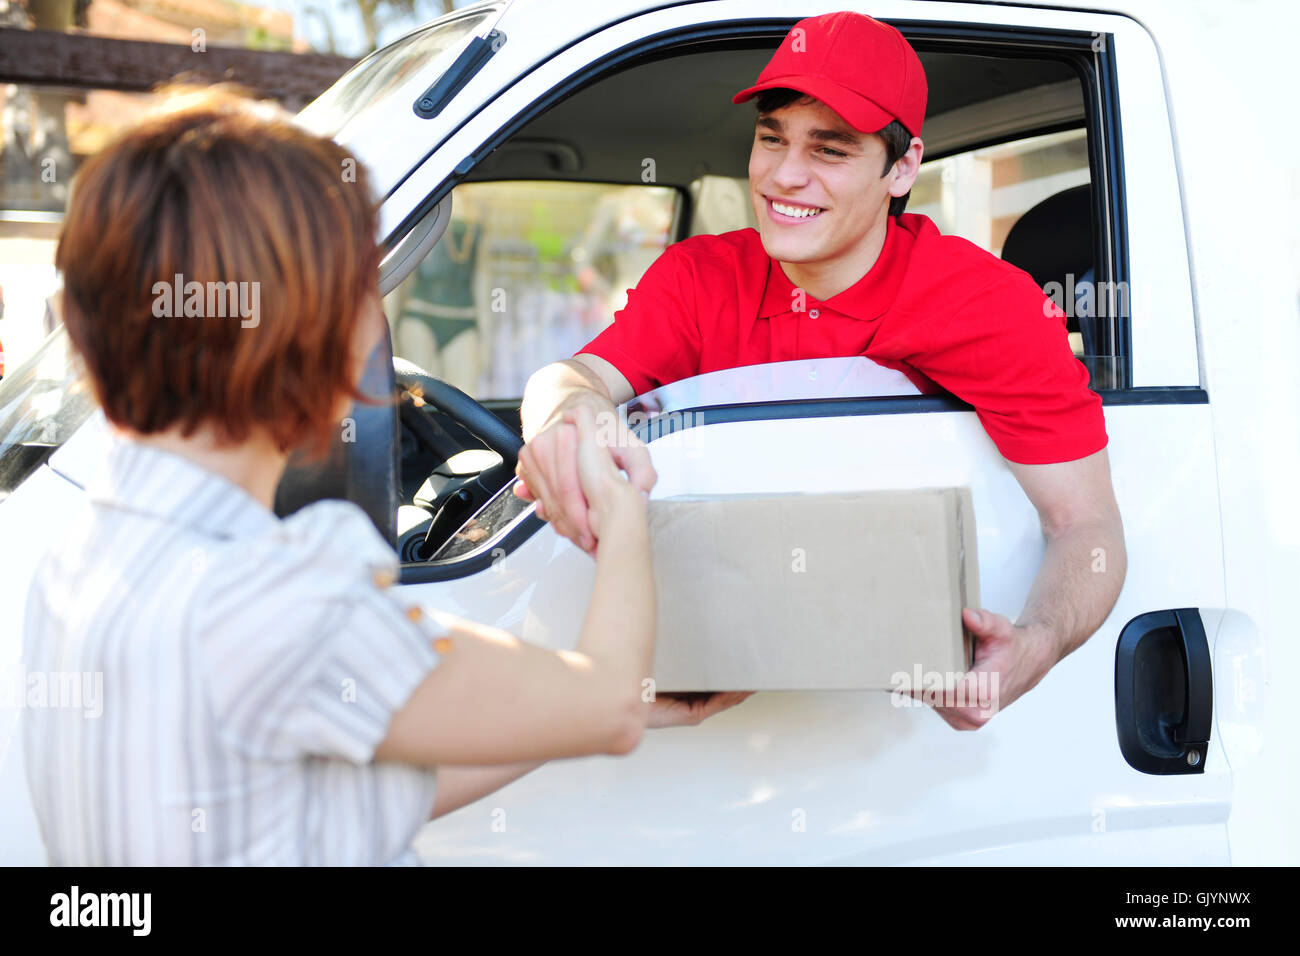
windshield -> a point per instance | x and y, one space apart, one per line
379 75
42 402
802 380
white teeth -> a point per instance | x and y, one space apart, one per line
796 212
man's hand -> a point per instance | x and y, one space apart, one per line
1009 661
548 473
548 465
1077 584
687 710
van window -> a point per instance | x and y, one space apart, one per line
980 194
526 274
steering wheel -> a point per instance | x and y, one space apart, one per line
461 493
452 402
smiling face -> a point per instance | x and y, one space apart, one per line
816 185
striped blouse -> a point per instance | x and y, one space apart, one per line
250 666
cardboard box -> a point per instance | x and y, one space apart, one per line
813 592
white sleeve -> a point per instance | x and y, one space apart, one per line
304 650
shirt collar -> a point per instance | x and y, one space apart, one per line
149 481
868 298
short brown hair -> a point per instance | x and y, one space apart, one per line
895 135
219 190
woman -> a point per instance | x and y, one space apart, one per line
265 698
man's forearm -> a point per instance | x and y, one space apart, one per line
1077 584
557 387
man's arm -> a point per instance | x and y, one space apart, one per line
655 339
1085 563
550 477
583 379
1076 586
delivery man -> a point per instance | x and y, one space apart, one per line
837 269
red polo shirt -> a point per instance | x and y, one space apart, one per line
937 307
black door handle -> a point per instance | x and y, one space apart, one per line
1164 692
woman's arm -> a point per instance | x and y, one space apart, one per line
494 699
460 786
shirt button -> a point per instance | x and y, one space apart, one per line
813 313
384 578
414 614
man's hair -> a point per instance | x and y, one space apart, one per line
223 191
896 136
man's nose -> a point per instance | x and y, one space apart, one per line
792 171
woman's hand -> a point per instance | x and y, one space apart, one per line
687 710
610 496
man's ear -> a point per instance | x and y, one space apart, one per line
906 168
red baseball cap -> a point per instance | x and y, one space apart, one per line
861 68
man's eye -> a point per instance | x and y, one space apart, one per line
769 139
833 153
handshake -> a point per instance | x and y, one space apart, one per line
574 469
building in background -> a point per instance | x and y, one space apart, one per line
46 131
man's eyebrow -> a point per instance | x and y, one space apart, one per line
821 135
835 136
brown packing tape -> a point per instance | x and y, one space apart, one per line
803 592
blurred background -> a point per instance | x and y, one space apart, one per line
72 72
